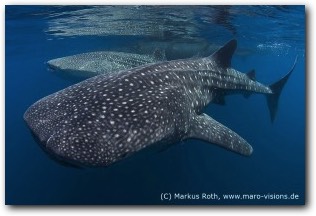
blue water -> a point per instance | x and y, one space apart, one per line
268 38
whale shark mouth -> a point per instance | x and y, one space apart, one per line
56 158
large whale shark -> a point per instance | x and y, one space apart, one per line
104 119
102 62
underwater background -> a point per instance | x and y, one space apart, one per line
269 38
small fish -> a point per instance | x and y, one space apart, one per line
106 118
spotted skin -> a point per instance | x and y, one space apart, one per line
104 119
103 62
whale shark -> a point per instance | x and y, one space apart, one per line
102 62
107 118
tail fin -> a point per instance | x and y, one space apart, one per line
276 88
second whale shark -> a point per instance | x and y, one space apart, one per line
102 62
104 119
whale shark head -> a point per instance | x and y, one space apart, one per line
94 124
76 66
58 64
65 131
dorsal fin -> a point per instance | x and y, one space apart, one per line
223 56
251 75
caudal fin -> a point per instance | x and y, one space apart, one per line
276 88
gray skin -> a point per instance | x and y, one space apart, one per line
102 62
104 119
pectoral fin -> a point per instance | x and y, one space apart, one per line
209 130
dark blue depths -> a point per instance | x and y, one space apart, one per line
277 166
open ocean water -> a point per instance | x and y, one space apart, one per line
269 38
